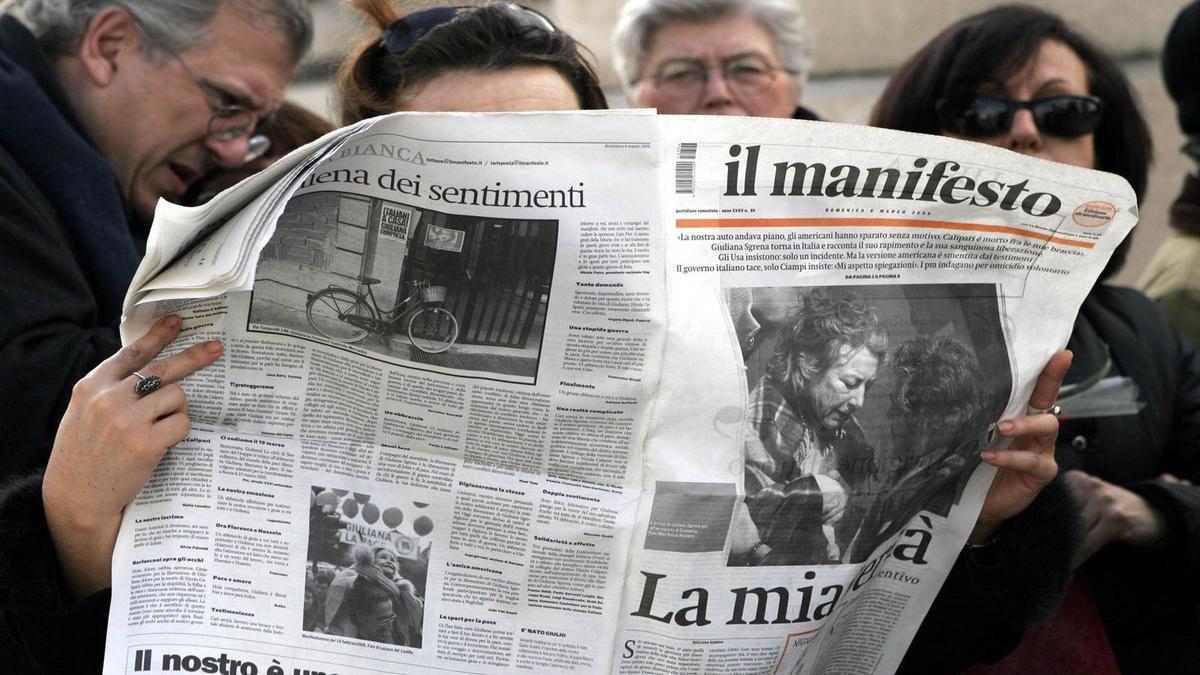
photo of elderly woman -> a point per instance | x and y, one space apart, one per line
866 405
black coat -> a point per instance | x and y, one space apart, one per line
1148 598
41 630
67 252
995 592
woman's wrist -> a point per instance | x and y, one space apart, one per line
83 542
983 534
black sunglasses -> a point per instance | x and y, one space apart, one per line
405 32
983 116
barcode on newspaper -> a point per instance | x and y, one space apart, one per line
685 169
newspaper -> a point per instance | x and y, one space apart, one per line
591 393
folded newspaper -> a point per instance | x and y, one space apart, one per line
591 393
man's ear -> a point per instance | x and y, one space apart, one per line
111 38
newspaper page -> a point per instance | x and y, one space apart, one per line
499 395
420 450
850 311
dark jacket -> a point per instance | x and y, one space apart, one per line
68 252
1147 597
41 630
996 591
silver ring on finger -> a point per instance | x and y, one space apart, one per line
146 384
1055 410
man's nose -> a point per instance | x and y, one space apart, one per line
228 154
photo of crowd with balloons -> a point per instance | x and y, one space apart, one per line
367 565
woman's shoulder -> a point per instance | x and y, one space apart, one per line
1129 306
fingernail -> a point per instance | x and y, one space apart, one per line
1006 427
171 321
988 456
213 346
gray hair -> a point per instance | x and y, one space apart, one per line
641 19
174 25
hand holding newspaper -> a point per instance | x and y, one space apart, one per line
592 392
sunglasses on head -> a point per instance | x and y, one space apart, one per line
983 116
407 31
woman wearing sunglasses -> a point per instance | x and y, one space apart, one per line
1020 78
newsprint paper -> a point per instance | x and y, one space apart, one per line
591 393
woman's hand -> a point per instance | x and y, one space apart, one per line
1112 513
1028 464
108 443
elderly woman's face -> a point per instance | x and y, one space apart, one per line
724 67
1055 70
519 89
834 395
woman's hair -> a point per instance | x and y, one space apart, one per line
292 126
641 19
994 45
820 333
935 376
176 26
489 38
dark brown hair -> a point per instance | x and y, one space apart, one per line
372 82
820 332
995 44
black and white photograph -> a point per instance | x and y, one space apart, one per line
868 405
409 285
367 566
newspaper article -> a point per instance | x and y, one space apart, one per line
591 392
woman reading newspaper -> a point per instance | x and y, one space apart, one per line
58 534
1020 78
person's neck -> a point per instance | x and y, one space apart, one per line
68 70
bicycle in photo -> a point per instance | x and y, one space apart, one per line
349 316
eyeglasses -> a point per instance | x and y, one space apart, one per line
745 74
407 31
256 147
983 116
229 121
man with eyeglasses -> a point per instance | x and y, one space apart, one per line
713 57
108 106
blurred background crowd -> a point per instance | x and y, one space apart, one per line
845 78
